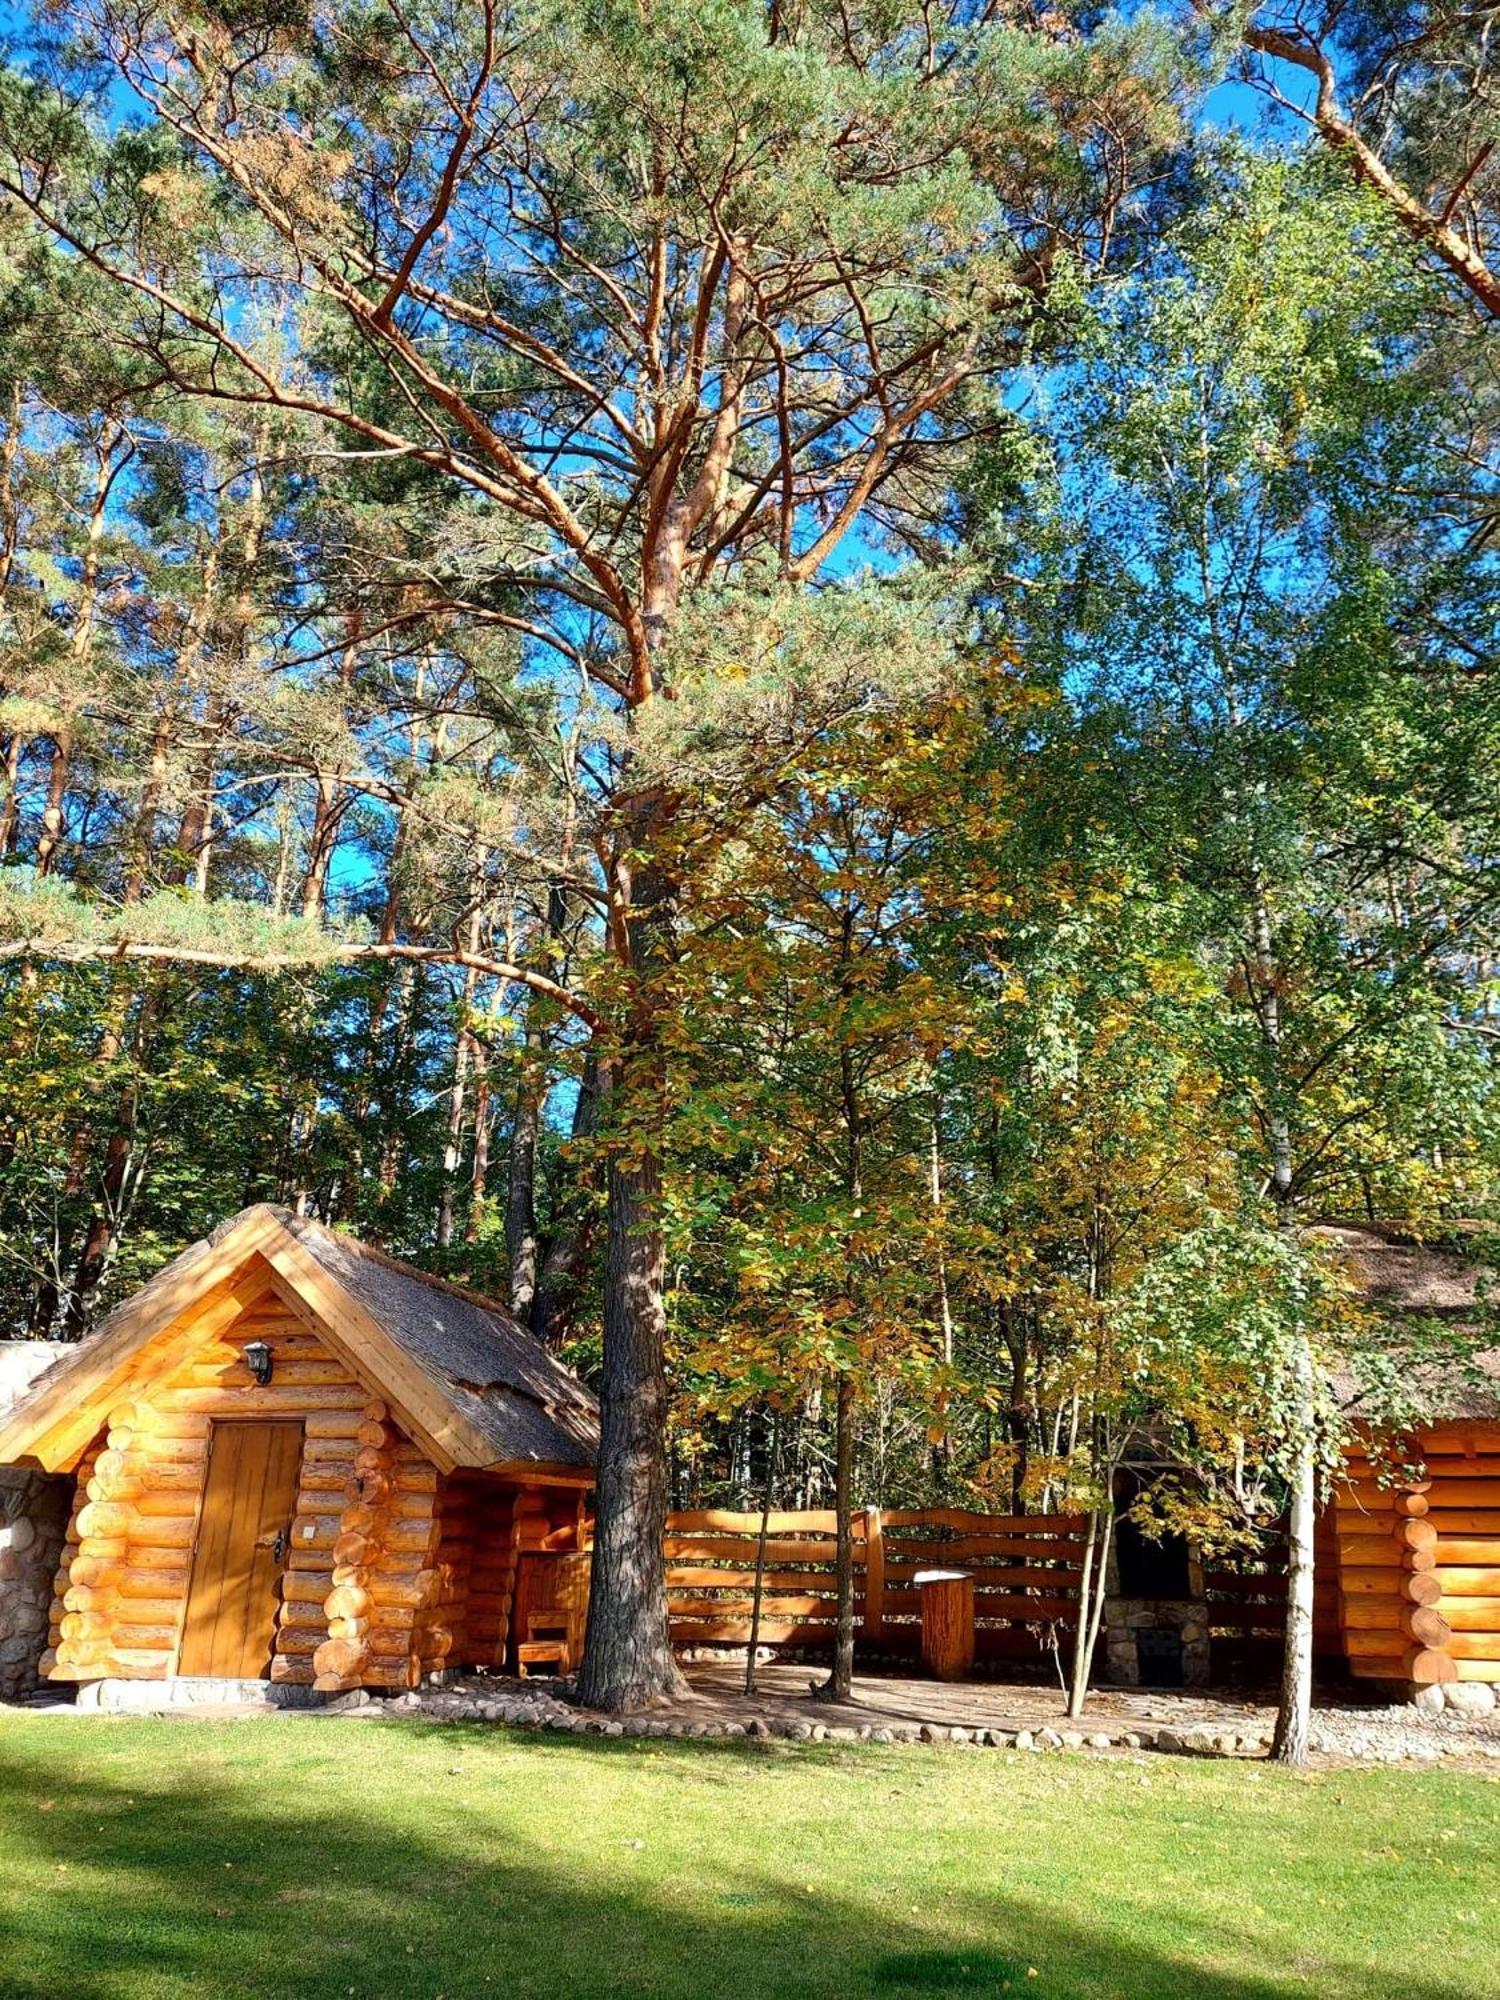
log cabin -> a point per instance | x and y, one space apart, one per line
292 1458
1411 1560
296 1460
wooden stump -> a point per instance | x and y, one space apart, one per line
947 1623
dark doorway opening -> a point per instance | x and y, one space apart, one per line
1147 1566
1158 1654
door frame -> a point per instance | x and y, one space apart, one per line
214 1424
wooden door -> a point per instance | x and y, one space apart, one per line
249 1498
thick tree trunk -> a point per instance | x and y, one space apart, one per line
627 1661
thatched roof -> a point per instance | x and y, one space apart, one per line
474 1386
514 1391
1398 1274
1406 1279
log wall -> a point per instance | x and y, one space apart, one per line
1420 1561
393 1571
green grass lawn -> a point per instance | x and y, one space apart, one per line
325 1858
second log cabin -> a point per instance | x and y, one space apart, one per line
295 1459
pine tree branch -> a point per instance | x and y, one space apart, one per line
95 951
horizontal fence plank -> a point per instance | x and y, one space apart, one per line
742 1548
981 1524
687 1576
782 1605
720 1519
977 1548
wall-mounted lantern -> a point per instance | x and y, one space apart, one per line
258 1360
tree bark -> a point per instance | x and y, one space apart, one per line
627 1660
840 1683
1091 1593
521 1247
767 1493
1294 1705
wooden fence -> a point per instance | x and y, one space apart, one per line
1026 1570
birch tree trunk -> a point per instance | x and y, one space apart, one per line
1092 1588
1294 1705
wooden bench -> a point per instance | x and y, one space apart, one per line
548 1642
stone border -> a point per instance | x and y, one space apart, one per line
1391 1741
546 1711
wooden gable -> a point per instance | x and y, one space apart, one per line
194 1302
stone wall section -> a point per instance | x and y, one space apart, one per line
34 1511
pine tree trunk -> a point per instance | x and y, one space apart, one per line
627 1661
49 840
521 1246
10 513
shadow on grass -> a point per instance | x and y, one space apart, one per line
198 1878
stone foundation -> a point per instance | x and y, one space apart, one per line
1125 1618
33 1523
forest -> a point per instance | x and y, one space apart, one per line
808 689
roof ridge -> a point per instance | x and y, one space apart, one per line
465 1295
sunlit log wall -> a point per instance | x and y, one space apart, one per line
394 1572
1419 1560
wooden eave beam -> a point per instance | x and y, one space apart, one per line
541 1472
55 1422
62 1444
